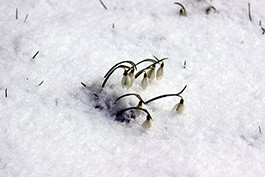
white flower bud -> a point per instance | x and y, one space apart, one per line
160 72
179 107
125 82
138 112
151 74
147 123
144 82
132 77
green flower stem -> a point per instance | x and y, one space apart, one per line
148 59
113 67
156 58
209 8
130 108
166 95
108 76
182 7
129 94
141 71
212 7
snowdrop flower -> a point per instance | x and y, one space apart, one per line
160 72
138 112
148 122
182 11
110 72
144 82
125 82
179 107
208 10
151 74
132 77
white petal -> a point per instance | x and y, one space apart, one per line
132 78
138 112
147 124
144 83
179 108
151 74
125 82
160 73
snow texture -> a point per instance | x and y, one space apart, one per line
49 125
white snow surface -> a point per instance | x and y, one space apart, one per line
54 129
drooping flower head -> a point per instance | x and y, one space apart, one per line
144 82
138 112
148 122
160 72
125 82
151 73
132 77
180 106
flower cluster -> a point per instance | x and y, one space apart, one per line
179 107
149 75
129 77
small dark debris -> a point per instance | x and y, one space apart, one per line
98 107
103 4
243 137
35 54
96 95
125 116
83 84
6 92
249 13
16 13
181 12
41 83
263 30
26 18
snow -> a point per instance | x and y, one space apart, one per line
52 128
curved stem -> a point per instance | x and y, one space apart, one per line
148 59
166 95
119 112
106 79
127 61
213 8
156 58
249 14
141 71
128 94
209 8
182 7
